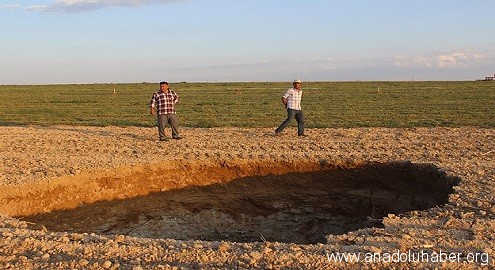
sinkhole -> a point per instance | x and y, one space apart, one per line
243 201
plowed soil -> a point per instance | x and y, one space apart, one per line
117 198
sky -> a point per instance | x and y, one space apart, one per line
118 41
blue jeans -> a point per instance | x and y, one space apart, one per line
291 113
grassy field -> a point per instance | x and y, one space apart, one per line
325 104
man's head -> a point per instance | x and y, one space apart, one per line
297 84
164 86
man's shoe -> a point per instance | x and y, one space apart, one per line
177 138
303 135
278 133
163 140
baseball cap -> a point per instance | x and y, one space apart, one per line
296 81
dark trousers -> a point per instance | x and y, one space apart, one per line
291 113
171 119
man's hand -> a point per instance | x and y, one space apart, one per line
152 111
284 101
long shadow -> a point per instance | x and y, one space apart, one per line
294 207
12 124
99 133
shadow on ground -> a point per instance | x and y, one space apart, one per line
293 207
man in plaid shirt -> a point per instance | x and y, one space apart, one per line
292 102
163 104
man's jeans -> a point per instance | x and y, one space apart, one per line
291 113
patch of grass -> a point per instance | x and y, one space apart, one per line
325 104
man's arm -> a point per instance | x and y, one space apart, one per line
152 105
176 97
285 97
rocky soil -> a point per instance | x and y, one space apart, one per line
50 171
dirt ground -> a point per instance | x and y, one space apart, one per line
230 198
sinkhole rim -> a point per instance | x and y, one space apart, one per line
149 180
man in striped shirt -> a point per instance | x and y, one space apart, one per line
163 104
292 102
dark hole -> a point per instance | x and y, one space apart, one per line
295 207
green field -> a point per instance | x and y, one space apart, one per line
325 104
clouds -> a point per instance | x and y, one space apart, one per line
453 59
435 60
11 6
445 59
75 6
454 64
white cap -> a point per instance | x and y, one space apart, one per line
296 81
